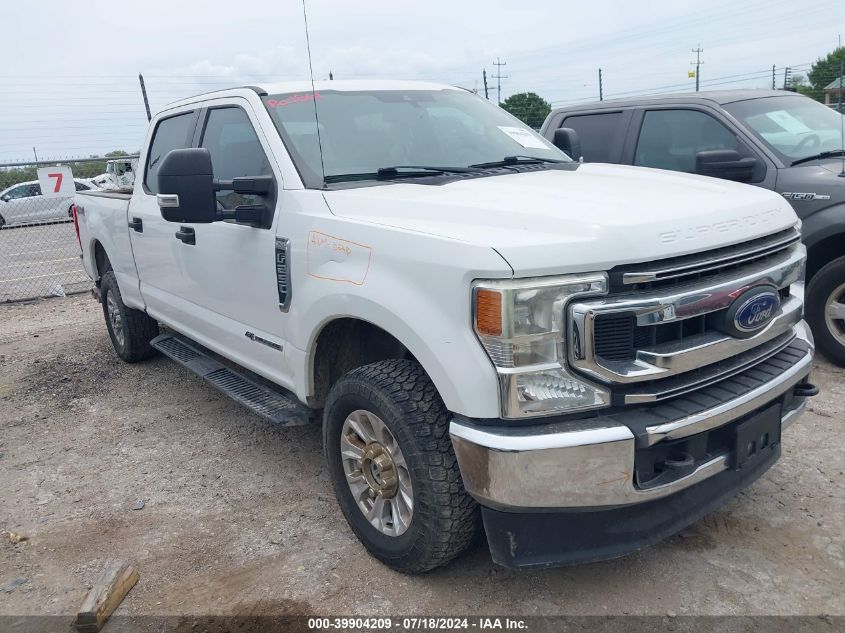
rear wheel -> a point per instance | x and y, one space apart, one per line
826 310
130 330
393 469
2 221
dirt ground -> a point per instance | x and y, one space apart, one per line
238 516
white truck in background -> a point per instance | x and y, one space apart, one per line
584 358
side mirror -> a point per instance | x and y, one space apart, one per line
186 186
6 198
725 163
566 139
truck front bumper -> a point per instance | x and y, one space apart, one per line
573 491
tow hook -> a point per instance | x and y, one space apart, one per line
676 465
806 389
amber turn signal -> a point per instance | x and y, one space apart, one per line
488 312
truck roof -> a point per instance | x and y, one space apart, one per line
719 97
305 86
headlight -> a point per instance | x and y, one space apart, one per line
522 324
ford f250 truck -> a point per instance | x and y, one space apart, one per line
584 358
774 139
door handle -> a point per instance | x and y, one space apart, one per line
186 234
137 224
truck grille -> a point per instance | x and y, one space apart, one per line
617 336
662 330
690 268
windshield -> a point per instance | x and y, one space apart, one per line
364 131
793 127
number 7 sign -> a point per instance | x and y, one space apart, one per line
56 181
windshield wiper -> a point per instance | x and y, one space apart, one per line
820 155
399 171
519 159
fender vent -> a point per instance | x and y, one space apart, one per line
283 272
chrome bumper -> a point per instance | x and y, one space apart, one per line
590 463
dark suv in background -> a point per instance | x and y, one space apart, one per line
777 140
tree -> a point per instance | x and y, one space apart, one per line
822 73
528 107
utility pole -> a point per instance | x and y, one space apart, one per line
697 63
773 76
144 94
787 72
498 77
36 153
601 91
484 73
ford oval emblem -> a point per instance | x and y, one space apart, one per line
756 310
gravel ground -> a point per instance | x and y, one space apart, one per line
238 515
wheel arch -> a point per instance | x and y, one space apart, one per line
344 343
824 235
102 263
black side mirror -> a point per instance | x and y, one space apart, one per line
186 186
566 139
725 163
6 198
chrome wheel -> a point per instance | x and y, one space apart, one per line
376 473
115 319
834 314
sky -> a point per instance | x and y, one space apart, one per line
69 82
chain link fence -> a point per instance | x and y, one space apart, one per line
39 251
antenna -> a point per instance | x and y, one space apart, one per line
314 93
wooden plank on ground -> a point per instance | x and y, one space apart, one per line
104 597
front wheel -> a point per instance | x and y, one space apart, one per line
130 330
393 469
825 306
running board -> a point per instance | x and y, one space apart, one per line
272 403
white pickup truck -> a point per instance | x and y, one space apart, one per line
585 358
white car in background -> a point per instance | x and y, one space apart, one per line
23 203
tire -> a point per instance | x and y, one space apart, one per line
130 330
444 519
825 291
2 222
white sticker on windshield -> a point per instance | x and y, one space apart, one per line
788 122
524 137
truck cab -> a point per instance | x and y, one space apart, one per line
777 140
582 358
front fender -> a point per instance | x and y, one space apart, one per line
823 224
416 288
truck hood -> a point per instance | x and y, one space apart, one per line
590 218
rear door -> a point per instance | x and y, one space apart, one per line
154 245
602 133
19 205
